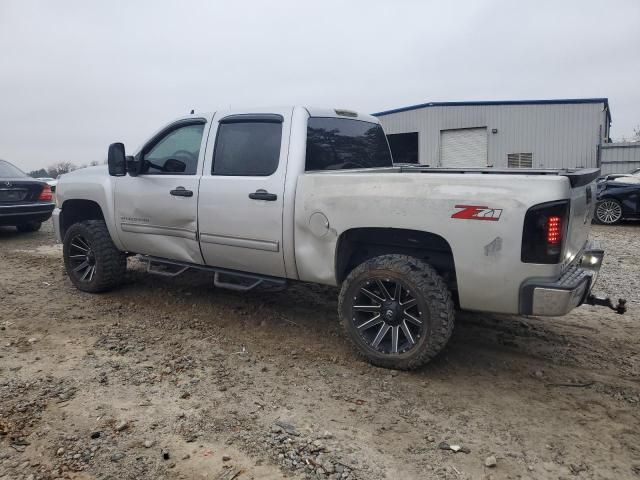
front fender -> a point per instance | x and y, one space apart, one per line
90 184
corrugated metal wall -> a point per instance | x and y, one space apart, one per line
558 135
619 157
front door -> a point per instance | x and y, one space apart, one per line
156 211
241 192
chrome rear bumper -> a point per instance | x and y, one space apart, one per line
559 297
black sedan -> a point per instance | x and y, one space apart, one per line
24 202
618 198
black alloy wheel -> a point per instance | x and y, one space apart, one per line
82 259
93 263
397 311
387 315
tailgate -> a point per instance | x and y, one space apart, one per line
583 201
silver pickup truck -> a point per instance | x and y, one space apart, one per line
266 196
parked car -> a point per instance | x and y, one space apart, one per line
618 198
24 201
266 196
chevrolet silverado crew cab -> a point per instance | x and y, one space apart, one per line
266 196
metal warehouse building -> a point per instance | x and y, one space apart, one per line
500 134
620 157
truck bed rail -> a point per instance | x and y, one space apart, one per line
577 177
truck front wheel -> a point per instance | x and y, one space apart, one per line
397 311
93 262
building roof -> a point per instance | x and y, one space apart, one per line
562 101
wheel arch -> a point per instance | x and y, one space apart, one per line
78 210
357 245
610 196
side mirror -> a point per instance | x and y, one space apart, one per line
173 165
116 160
133 165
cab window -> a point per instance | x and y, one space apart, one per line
342 144
248 148
175 152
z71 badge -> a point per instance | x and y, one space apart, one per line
477 212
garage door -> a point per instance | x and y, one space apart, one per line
464 147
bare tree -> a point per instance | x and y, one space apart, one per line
41 173
60 168
636 134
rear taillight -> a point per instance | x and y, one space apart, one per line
544 231
46 195
554 230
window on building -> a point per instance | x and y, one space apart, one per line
404 147
520 160
247 148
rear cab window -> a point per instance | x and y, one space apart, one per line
343 144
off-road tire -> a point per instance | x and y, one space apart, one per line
429 290
110 263
29 227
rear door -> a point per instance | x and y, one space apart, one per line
241 192
156 211
464 147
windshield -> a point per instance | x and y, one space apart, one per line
9 171
340 143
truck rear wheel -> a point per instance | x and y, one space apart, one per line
397 311
93 262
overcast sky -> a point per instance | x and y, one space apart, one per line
78 75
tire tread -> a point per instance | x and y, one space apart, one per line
112 262
430 285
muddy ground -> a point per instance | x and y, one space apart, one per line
173 379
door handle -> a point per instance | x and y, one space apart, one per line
181 192
262 194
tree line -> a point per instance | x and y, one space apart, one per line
60 168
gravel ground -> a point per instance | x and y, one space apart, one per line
173 379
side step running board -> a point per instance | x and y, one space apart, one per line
239 285
223 278
164 273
